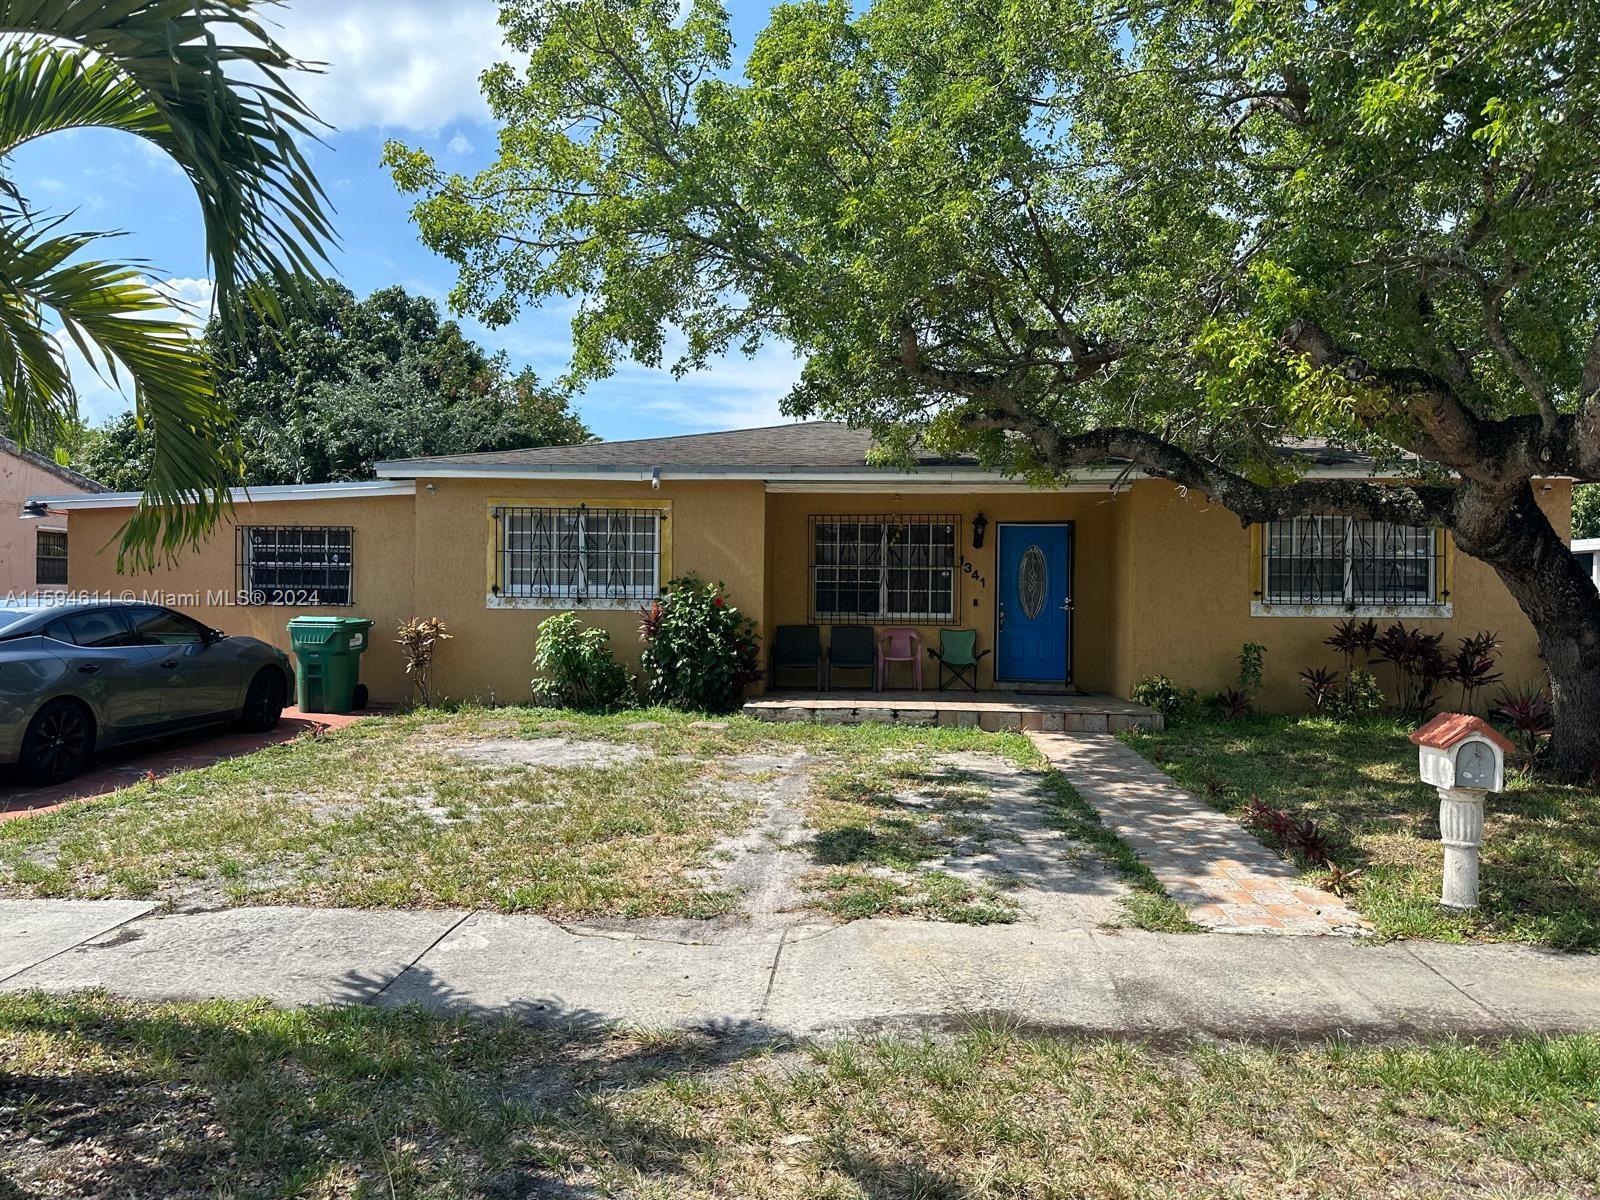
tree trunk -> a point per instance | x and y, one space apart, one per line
1508 530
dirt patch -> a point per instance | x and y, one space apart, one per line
1013 841
764 864
551 752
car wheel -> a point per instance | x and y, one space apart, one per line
58 743
263 704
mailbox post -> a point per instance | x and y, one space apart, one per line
1464 758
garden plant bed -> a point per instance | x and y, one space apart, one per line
99 1097
1541 852
644 814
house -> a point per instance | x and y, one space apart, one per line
33 546
1587 552
1088 586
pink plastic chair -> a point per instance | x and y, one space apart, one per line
899 645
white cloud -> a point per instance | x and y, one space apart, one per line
392 64
732 393
459 144
102 395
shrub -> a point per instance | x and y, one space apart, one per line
1419 667
576 666
700 651
1160 693
1473 666
1352 637
1526 711
419 638
1360 699
1322 687
1252 660
1231 702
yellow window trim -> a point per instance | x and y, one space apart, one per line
662 507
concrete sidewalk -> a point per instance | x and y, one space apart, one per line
801 979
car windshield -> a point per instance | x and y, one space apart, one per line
10 616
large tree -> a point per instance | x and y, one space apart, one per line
344 384
204 84
1064 231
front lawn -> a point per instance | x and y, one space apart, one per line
1540 875
637 814
99 1097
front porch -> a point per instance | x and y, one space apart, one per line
996 711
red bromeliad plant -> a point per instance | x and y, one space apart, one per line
1527 711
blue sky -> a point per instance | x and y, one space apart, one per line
395 68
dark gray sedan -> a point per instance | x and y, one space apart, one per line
77 678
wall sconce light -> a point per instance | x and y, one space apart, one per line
980 526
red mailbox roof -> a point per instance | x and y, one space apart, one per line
1447 729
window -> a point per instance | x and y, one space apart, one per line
1350 563
578 556
883 568
299 565
96 629
163 627
51 550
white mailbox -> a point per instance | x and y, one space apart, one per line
1465 758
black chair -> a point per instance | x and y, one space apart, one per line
793 647
852 648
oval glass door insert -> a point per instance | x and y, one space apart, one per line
1033 577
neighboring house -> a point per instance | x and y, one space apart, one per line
33 549
1092 585
1587 552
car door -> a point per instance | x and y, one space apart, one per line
108 667
202 677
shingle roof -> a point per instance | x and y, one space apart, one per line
65 474
801 446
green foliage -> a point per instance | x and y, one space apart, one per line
346 384
1361 698
1586 511
1160 693
700 651
166 71
576 666
961 215
1252 661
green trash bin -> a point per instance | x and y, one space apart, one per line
328 672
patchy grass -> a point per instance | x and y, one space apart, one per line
108 1098
1541 856
396 812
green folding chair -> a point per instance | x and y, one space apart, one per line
958 657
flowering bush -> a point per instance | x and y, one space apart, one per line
700 651
576 666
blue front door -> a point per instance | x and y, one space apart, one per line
1034 616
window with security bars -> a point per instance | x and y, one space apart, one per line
51 558
580 555
299 565
868 569
1350 562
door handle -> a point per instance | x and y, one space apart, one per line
170 665
1002 615
89 669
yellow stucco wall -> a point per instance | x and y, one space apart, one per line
1188 588
383 544
1162 578
1093 514
716 530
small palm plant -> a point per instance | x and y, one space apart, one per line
169 72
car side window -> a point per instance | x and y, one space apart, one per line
96 629
163 627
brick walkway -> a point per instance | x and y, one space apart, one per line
1205 859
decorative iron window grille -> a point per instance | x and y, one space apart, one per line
891 567
579 555
51 557
1350 562
299 565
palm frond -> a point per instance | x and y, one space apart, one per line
123 327
203 81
